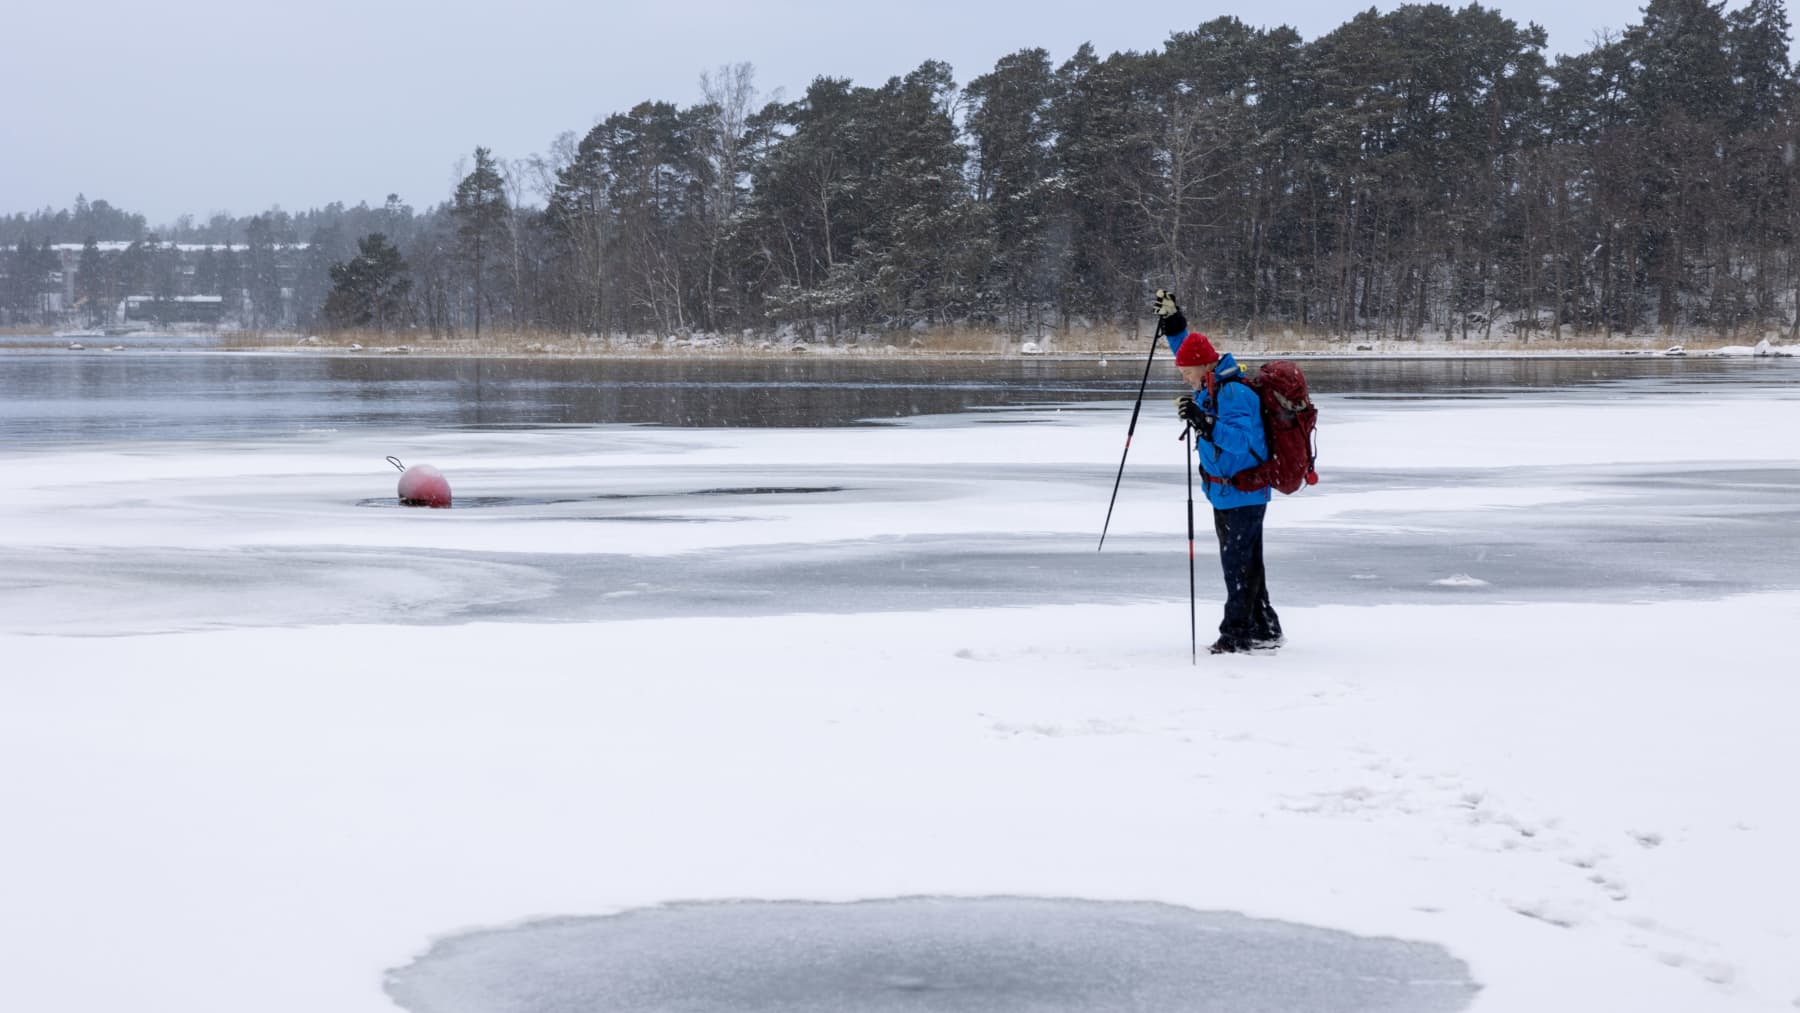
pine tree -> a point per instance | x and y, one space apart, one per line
809 204
1100 117
481 213
369 288
1009 122
1757 37
579 219
654 184
916 249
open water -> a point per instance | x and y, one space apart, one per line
63 397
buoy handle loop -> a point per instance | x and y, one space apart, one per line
395 461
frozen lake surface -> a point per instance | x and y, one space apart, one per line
1637 527
947 955
838 632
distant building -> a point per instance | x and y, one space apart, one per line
182 309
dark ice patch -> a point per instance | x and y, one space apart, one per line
995 954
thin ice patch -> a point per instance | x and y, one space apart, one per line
993 955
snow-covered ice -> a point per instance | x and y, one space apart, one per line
263 739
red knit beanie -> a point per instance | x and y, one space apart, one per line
1196 351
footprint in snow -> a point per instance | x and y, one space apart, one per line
1714 971
1614 889
1587 859
1547 912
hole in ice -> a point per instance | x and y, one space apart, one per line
928 953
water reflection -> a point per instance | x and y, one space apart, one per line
64 397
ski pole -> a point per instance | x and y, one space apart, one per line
1145 382
1187 465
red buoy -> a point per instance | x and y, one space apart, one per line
423 485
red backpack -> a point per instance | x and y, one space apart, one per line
1289 418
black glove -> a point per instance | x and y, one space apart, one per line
1169 319
1195 416
1189 411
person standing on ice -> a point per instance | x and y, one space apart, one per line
1226 415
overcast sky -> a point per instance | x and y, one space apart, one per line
197 106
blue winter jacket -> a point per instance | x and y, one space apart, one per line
1237 438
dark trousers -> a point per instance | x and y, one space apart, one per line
1248 615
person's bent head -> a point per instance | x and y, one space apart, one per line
1195 359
